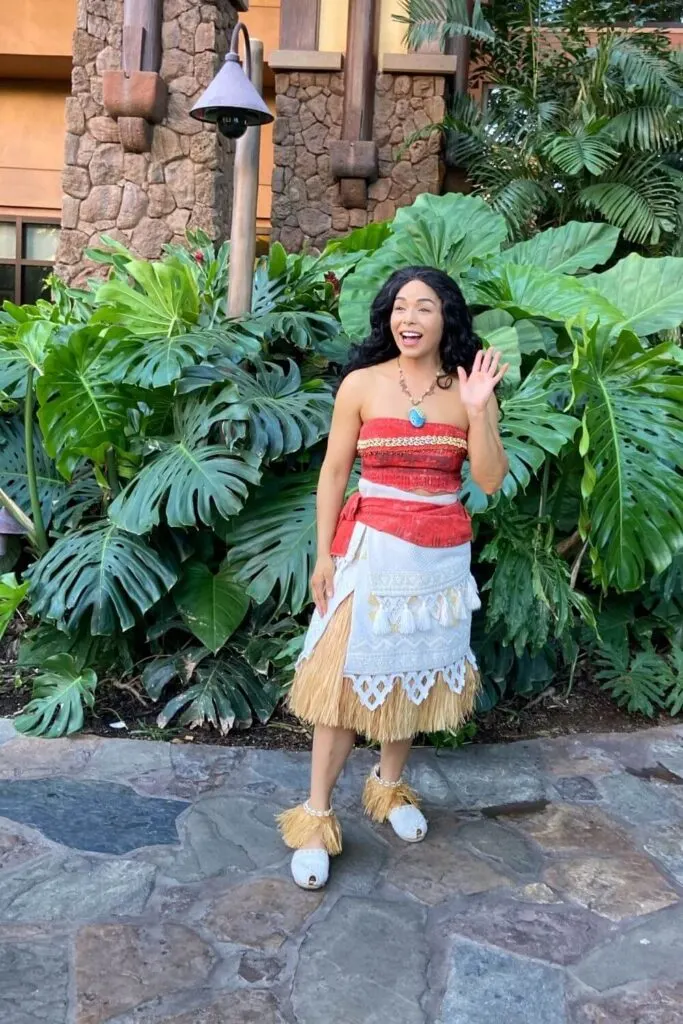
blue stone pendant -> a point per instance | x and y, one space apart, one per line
417 417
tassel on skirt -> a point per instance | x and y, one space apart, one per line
322 695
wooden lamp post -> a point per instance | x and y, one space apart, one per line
234 104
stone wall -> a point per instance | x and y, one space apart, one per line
144 199
306 202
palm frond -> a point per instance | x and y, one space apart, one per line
519 201
648 72
437 21
581 149
648 128
637 197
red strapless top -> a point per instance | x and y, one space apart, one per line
395 453
429 458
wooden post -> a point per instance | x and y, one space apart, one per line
142 35
461 48
299 20
360 68
244 204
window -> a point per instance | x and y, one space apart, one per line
27 254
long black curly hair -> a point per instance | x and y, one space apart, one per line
459 343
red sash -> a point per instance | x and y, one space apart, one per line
427 525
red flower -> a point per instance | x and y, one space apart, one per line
199 256
334 281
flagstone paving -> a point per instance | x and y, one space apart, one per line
145 883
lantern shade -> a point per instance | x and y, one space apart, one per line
8 523
232 94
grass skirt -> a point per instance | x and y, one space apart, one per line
321 695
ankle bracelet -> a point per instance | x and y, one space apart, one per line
382 782
317 814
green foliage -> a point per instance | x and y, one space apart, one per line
532 599
82 410
101 572
180 455
269 406
448 232
644 683
12 593
630 443
219 691
212 604
272 544
59 693
583 115
186 481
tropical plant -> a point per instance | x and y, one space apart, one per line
139 419
177 501
578 122
591 422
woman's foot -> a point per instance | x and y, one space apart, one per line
310 868
314 835
409 823
397 803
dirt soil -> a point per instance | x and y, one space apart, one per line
586 709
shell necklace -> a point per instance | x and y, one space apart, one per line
416 415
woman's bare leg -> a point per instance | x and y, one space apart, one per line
331 747
393 759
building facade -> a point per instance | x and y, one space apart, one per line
95 133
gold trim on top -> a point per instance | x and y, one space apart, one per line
412 442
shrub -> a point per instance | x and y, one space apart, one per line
168 487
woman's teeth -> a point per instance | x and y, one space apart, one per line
410 338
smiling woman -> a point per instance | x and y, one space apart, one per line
388 651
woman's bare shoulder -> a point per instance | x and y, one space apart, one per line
358 382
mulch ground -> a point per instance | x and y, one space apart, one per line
587 709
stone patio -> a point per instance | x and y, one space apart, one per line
145 882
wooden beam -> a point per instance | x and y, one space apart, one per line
360 69
462 50
299 20
142 35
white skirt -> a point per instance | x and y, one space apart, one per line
412 609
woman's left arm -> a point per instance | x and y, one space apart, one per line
488 461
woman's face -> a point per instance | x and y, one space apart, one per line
417 320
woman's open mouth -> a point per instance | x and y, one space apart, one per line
411 338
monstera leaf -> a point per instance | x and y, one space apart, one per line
102 572
165 301
13 471
279 414
631 443
648 293
28 342
59 693
565 250
273 543
225 691
157 362
82 410
212 605
448 232
531 427
187 482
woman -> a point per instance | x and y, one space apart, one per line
388 652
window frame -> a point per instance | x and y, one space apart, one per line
19 262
